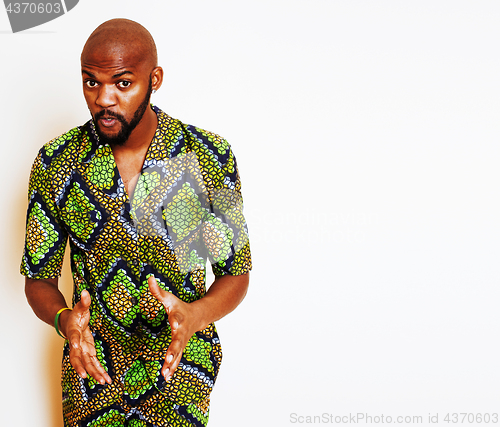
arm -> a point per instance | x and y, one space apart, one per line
185 319
46 300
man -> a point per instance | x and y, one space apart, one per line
144 200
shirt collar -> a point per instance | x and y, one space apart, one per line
161 145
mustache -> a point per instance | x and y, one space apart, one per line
108 113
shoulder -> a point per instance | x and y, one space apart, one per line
215 157
188 137
209 143
65 148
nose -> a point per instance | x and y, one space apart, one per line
106 96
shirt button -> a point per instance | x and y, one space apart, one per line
134 300
135 262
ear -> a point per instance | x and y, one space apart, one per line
157 78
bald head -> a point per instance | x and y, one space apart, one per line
121 38
119 73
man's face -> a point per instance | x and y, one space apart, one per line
117 87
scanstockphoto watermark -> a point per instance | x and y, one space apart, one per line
29 14
311 225
356 418
366 418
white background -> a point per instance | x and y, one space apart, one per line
367 138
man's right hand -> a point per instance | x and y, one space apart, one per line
82 353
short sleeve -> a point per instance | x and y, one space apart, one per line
45 237
228 227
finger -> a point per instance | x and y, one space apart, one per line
93 366
95 369
105 375
76 360
169 367
172 359
84 365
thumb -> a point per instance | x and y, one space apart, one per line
166 298
79 320
154 288
85 300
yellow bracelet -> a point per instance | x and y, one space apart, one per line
56 321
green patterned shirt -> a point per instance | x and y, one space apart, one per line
186 208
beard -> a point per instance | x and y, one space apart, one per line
126 127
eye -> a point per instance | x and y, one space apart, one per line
124 84
90 83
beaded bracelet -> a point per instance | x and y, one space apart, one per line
56 321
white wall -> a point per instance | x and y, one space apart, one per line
367 136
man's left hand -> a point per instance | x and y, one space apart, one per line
184 322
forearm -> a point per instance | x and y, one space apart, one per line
45 299
225 294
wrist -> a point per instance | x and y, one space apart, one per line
60 322
200 314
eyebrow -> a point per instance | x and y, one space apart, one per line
122 73
115 76
88 73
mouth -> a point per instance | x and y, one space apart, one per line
108 121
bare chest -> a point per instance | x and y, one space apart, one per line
130 167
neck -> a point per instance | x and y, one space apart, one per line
130 156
